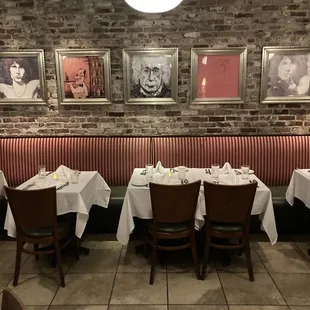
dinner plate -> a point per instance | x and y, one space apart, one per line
239 170
139 183
176 169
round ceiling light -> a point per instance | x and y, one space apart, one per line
153 6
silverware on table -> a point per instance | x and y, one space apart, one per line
254 181
28 186
143 172
185 181
62 186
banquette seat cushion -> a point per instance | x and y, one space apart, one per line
273 158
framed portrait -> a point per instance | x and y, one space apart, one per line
218 75
22 77
150 75
285 75
83 76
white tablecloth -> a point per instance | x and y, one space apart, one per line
2 183
299 187
137 203
91 189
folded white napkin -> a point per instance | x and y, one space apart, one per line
63 171
226 168
230 175
159 168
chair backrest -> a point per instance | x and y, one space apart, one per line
10 301
229 203
32 208
174 203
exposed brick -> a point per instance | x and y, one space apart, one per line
114 25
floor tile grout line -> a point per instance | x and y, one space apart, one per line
218 275
59 285
115 275
273 280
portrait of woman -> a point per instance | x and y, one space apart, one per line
19 78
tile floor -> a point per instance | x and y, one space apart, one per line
114 277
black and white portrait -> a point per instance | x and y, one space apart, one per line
150 75
288 76
19 78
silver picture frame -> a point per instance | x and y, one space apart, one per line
221 80
285 75
22 77
150 75
83 76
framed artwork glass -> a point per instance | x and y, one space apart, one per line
83 76
150 75
22 77
218 75
285 75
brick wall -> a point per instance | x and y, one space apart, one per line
51 24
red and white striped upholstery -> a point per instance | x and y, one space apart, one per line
272 157
114 157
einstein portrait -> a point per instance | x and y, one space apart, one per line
286 75
150 75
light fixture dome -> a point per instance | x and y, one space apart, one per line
153 6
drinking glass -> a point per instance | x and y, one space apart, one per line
149 170
215 171
42 171
181 172
245 172
75 176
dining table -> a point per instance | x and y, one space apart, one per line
91 189
137 201
3 182
299 188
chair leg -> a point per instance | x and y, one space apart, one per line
18 261
77 248
154 261
206 256
195 255
36 248
146 241
248 258
59 263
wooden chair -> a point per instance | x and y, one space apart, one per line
228 209
35 216
10 301
174 208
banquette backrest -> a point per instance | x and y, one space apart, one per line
272 157
114 157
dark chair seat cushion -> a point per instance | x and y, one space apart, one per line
226 227
173 227
63 229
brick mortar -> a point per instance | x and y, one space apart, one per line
195 23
